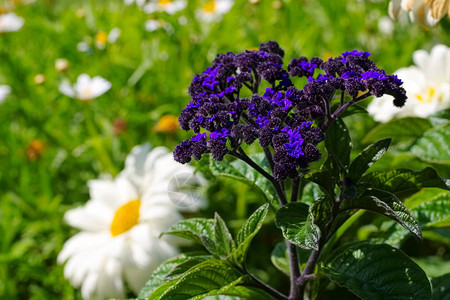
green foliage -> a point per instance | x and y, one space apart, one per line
241 171
296 222
280 258
339 146
441 287
433 146
377 272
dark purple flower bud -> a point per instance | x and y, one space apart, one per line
183 152
272 47
218 148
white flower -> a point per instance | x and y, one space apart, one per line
427 86
5 90
212 10
152 25
10 22
424 12
169 6
86 88
120 225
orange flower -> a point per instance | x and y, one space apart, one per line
35 149
167 124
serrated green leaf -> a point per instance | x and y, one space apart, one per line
387 204
440 118
280 258
245 235
222 237
367 158
182 267
193 229
434 146
339 147
405 180
441 287
399 130
161 274
377 272
241 171
431 208
204 278
297 225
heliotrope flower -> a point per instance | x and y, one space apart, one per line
427 86
120 225
5 90
213 10
86 88
288 122
10 22
168 6
424 12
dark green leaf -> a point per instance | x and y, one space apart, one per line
405 180
441 287
339 146
248 231
324 180
159 276
387 204
193 229
434 146
241 171
367 158
297 225
222 237
399 130
378 272
311 192
280 258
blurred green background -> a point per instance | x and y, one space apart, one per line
50 144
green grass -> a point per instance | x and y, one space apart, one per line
150 73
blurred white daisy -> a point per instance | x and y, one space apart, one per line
424 12
102 37
213 10
10 22
168 6
5 90
120 225
86 88
427 86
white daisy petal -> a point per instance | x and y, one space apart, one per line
86 88
122 222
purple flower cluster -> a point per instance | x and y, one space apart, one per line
286 121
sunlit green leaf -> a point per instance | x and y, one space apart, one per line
399 130
434 145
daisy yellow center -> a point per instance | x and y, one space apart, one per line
101 37
427 96
164 2
86 93
126 217
209 6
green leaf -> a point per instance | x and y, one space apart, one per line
241 171
387 204
248 231
222 237
441 287
311 192
324 181
160 275
297 225
440 118
431 208
193 229
182 267
399 130
378 272
434 146
339 147
210 278
280 258
367 158
405 180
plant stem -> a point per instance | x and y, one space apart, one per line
270 290
295 189
294 271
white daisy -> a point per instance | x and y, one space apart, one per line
120 225
213 10
427 86
5 90
10 22
424 12
86 88
169 6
